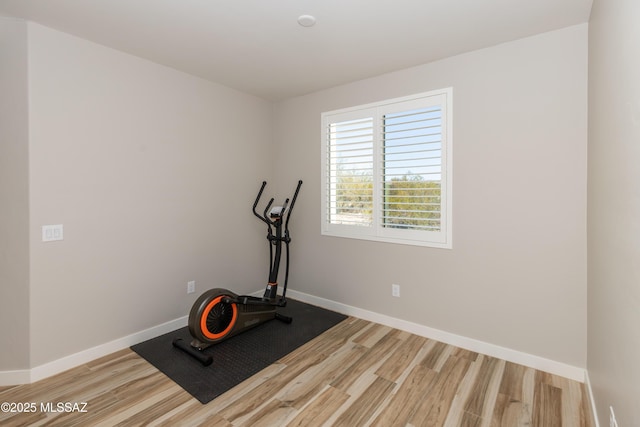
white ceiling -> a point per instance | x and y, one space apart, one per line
257 46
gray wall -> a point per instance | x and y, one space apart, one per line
517 272
614 209
14 197
153 173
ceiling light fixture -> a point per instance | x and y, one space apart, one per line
306 20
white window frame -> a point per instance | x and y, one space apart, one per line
376 232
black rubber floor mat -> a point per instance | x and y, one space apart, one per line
239 357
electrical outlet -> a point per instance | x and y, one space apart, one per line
395 290
612 418
191 286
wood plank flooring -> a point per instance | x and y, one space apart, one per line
356 374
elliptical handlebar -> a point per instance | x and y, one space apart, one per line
293 202
265 217
255 204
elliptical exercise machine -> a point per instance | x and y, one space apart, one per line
219 313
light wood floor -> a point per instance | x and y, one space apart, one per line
358 373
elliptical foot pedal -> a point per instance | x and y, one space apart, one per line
283 318
205 359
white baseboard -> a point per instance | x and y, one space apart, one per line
515 356
71 361
22 376
27 376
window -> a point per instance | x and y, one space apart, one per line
386 171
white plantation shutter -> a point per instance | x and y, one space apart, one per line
350 151
386 171
412 169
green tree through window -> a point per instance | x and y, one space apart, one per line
412 202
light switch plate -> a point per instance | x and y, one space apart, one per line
51 233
